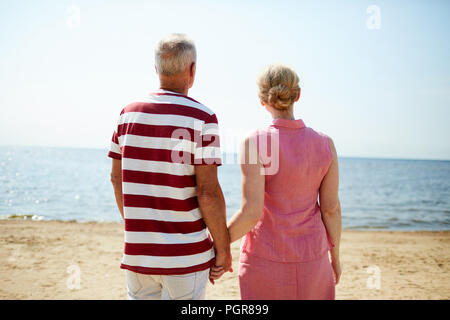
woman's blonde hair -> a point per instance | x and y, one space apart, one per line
278 86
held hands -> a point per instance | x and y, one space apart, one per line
222 265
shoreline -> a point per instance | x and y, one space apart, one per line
36 218
43 259
103 149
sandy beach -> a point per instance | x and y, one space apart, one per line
45 260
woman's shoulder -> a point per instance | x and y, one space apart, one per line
322 140
318 134
262 137
259 132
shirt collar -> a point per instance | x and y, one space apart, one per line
294 124
165 91
168 91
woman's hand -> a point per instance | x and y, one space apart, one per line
336 264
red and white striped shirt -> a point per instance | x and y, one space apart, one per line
159 141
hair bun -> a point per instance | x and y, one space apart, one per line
278 86
279 96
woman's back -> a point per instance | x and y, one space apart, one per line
291 227
285 169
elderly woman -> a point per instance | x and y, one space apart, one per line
288 234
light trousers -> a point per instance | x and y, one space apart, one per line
190 286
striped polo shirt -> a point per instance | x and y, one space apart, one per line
160 139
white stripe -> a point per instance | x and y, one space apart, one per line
168 262
158 191
211 128
157 143
161 120
162 215
177 100
208 153
178 169
164 238
115 148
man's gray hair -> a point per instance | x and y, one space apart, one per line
174 54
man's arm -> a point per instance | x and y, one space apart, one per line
116 180
212 206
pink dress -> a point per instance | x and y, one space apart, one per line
285 256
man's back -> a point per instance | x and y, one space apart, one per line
160 140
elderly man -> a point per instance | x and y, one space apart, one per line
165 152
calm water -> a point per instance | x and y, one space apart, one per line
73 184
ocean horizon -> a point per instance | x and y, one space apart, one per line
72 184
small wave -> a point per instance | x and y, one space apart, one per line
365 227
425 210
420 221
22 217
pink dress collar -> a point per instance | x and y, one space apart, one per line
294 124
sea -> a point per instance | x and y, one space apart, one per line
69 184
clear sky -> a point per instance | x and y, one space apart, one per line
376 80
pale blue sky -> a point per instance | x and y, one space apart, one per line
377 92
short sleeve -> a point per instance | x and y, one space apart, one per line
114 150
207 149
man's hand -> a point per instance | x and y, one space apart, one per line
223 264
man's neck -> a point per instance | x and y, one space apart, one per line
182 89
179 83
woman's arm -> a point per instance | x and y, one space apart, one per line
253 180
331 209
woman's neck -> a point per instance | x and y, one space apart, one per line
291 117
282 114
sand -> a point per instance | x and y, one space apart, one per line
44 259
